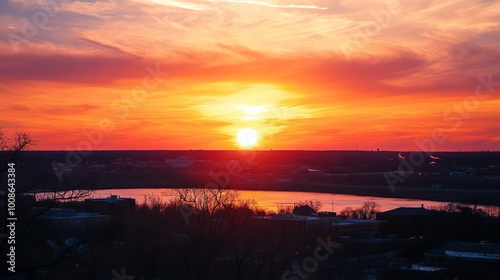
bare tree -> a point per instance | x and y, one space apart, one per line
347 212
492 211
26 235
313 203
283 209
10 147
448 207
367 211
212 216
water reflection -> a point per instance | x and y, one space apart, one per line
270 199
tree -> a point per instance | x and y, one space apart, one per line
212 216
10 147
283 209
347 212
449 207
27 235
368 210
314 204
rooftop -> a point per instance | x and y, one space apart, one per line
468 250
64 213
407 211
353 222
291 217
421 267
110 199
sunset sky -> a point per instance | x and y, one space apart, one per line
302 74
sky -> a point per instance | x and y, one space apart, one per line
299 74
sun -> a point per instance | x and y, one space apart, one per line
247 137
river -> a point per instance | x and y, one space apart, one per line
269 200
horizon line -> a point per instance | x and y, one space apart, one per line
268 150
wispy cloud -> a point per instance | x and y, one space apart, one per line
272 5
178 4
233 63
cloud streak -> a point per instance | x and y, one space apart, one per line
272 5
233 63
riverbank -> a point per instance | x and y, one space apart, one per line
483 197
479 197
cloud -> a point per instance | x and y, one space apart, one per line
272 5
69 69
342 70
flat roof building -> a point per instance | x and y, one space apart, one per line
67 221
467 258
358 228
298 223
109 204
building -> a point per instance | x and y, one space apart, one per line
420 271
109 204
471 260
180 162
303 210
67 221
299 224
407 220
358 228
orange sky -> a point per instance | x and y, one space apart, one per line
304 74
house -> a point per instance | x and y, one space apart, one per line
303 210
408 220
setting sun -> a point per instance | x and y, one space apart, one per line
247 137
306 75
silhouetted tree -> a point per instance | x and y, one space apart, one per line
10 147
348 212
28 236
303 210
211 216
367 211
314 204
284 209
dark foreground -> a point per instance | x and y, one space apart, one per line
207 233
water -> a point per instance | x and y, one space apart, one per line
270 199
